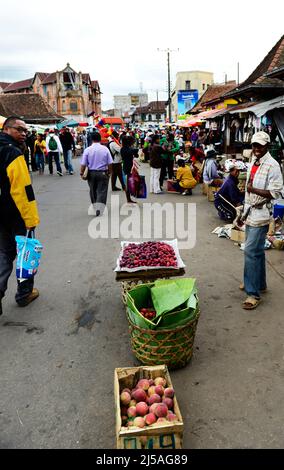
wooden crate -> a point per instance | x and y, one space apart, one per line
211 191
162 436
204 189
238 236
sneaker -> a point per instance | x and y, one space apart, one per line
91 211
71 172
116 189
98 213
30 298
60 173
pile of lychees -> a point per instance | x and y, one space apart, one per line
154 254
149 402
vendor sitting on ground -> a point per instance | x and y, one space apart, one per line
197 158
229 196
211 176
184 179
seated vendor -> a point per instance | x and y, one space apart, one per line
184 179
211 176
197 158
229 196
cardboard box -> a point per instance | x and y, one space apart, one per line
162 436
238 236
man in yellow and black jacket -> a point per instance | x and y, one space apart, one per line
18 208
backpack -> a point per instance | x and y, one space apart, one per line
52 144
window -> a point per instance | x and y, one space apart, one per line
203 86
187 84
63 106
45 89
150 117
158 116
208 85
73 106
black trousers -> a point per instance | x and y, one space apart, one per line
8 253
98 183
117 173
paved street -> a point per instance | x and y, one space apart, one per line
58 355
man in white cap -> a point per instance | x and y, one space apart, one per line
264 183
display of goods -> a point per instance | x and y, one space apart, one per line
147 407
151 421
148 313
149 255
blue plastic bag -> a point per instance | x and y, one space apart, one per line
28 256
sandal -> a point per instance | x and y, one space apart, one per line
251 303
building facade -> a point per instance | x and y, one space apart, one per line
126 103
71 94
154 113
196 81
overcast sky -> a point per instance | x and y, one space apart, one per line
117 41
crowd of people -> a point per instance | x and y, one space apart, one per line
164 149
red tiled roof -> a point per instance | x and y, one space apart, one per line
51 78
213 94
42 75
21 85
4 85
152 107
258 78
274 58
31 106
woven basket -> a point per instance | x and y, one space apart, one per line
128 285
173 348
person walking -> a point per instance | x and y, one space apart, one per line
54 149
98 159
264 183
40 150
128 153
156 165
30 142
18 208
115 148
68 145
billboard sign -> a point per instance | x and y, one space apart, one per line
186 100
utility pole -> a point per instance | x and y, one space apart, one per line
238 73
168 51
158 118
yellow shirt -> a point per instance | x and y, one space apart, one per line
185 178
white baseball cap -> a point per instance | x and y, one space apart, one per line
260 138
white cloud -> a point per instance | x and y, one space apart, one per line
116 42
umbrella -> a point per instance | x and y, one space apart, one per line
67 123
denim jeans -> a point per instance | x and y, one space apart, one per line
54 155
8 254
67 154
39 157
255 272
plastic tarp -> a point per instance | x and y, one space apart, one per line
67 123
262 108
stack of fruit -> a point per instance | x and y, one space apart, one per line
150 402
149 313
152 254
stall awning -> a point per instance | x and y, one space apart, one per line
262 108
